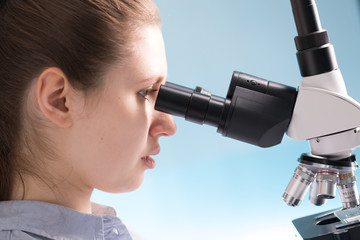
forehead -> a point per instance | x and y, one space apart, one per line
148 56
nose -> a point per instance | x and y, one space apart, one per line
163 125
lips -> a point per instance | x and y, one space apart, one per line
149 161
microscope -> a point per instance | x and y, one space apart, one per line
259 112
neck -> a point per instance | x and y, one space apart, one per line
62 192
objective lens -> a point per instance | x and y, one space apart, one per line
327 184
323 187
348 191
314 198
298 186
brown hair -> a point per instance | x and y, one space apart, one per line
81 37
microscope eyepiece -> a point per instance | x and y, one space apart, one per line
255 110
197 106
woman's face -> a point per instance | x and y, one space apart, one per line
113 137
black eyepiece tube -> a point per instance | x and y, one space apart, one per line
316 55
173 99
306 16
197 105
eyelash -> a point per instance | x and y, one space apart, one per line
148 92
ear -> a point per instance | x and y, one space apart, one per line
53 90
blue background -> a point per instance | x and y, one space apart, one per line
206 186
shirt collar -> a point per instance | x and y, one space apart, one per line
50 220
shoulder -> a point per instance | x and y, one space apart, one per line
19 235
43 221
26 220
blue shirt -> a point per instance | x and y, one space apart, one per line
30 220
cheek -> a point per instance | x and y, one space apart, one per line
135 117
124 147
127 131
113 127
109 143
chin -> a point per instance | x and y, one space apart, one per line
128 186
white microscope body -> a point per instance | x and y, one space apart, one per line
325 115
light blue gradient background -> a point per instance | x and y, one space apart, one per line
206 186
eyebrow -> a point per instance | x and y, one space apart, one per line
151 78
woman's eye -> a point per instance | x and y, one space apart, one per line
148 93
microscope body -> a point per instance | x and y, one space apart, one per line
259 112
323 107
325 115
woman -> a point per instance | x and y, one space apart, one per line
78 85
